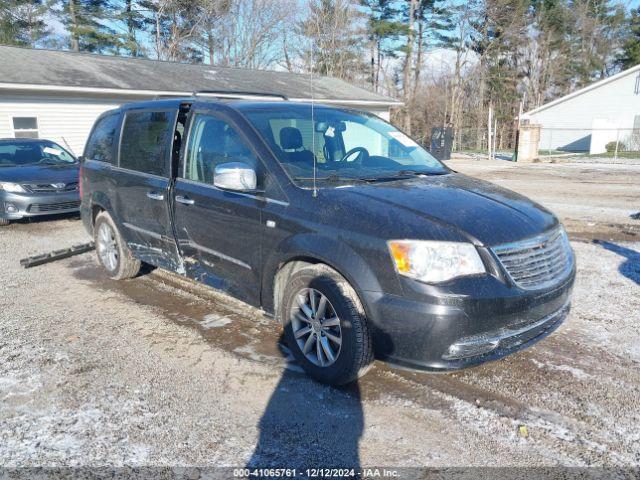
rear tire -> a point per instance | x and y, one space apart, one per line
4 222
325 325
112 251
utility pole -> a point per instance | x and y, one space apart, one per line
489 125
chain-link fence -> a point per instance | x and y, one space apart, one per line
615 143
479 142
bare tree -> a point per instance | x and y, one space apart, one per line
249 34
335 39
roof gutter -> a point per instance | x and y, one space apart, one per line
29 87
335 101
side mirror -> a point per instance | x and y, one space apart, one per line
237 176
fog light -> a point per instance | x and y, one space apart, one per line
471 349
10 208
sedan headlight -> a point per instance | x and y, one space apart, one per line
433 261
11 187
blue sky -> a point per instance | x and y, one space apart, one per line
57 28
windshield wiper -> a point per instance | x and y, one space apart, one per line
401 175
333 178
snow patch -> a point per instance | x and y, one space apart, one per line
214 321
576 372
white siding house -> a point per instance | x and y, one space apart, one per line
65 120
58 95
588 119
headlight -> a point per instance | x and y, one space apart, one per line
11 187
432 261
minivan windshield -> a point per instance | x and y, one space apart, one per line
346 145
19 153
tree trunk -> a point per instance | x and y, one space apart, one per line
373 65
211 45
480 113
406 77
378 66
131 31
418 65
73 18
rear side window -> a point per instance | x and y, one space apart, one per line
102 140
146 142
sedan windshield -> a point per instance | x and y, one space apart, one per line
346 146
17 153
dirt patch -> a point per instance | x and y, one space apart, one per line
161 371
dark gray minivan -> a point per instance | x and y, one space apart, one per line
354 237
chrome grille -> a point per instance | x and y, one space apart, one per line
538 262
53 207
51 187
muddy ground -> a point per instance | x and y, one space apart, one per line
159 371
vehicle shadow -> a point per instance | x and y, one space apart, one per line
309 425
631 267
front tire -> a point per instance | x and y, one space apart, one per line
325 325
113 253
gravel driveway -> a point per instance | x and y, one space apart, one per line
158 371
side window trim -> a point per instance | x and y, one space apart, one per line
169 149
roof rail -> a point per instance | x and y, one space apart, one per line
239 94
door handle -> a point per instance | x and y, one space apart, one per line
184 200
155 196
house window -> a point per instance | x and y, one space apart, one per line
637 89
25 127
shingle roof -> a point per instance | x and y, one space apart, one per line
69 69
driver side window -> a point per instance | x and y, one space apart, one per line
212 141
359 135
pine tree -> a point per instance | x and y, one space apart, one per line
336 45
596 28
87 22
384 29
133 21
630 56
22 22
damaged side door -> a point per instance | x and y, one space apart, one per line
218 231
143 179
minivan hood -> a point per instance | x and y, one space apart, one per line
40 174
480 211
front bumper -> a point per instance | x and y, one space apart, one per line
453 331
14 206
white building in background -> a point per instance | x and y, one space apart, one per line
590 118
58 95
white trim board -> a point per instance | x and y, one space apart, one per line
26 87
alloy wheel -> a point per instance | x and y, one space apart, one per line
107 247
316 327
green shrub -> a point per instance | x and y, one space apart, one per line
611 147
